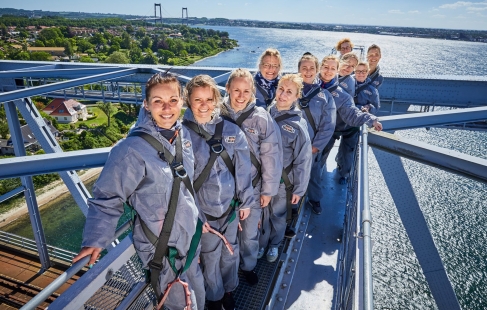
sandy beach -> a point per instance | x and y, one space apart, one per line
45 195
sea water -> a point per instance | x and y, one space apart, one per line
454 207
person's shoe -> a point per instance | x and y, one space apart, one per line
272 254
228 302
290 233
261 253
343 180
315 206
214 305
251 277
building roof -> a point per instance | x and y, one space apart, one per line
28 135
59 107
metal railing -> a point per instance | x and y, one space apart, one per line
29 244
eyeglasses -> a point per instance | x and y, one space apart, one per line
269 66
361 71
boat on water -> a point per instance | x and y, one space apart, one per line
328 265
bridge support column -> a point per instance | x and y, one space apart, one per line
30 197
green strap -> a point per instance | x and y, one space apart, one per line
173 252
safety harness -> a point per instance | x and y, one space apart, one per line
162 248
267 100
374 76
285 175
255 162
304 104
216 149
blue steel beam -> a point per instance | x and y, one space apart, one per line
11 194
28 184
417 229
407 121
36 73
27 92
449 160
48 163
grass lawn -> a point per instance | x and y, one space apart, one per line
99 120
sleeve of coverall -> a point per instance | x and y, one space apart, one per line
374 101
243 177
326 126
302 162
122 173
352 116
270 156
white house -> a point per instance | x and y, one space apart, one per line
69 111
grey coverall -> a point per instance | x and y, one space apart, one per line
265 143
322 109
134 172
368 95
220 268
297 153
348 115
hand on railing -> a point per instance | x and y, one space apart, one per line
87 251
377 125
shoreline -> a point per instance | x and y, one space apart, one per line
231 49
45 195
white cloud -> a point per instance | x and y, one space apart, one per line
219 3
413 12
395 12
455 5
471 8
460 17
438 16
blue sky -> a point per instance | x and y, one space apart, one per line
414 13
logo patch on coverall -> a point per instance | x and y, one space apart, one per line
368 92
288 128
334 93
230 139
321 95
251 131
186 144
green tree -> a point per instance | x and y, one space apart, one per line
129 29
107 108
86 59
39 43
140 33
68 48
149 58
3 123
146 42
50 34
135 55
164 55
84 45
114 48
40 56
117 58
126 41
98 39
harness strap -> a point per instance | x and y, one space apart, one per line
216 149
267 100
374 76
304 104
162 249
239 121
342 78
332 88
289 191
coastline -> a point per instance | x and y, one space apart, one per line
212 56
45 195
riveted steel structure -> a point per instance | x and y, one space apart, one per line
20 80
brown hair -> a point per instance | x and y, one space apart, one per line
310 57
242 73
344 40
294 78
374 46
160 78
202 80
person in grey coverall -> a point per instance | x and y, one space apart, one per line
319 111
348 115
297 159
265 145
266 79
219 189
367 100
134 173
